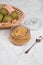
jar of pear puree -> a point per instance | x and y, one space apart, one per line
19 35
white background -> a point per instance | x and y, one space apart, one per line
9 53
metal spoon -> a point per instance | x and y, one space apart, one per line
36 41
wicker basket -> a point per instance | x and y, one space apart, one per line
12 24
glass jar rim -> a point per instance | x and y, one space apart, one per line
28 31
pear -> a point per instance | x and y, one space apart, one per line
4 11
14 14
7 18
1 17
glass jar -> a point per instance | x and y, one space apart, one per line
33 23
19 35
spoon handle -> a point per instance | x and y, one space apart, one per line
30 48
36 41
